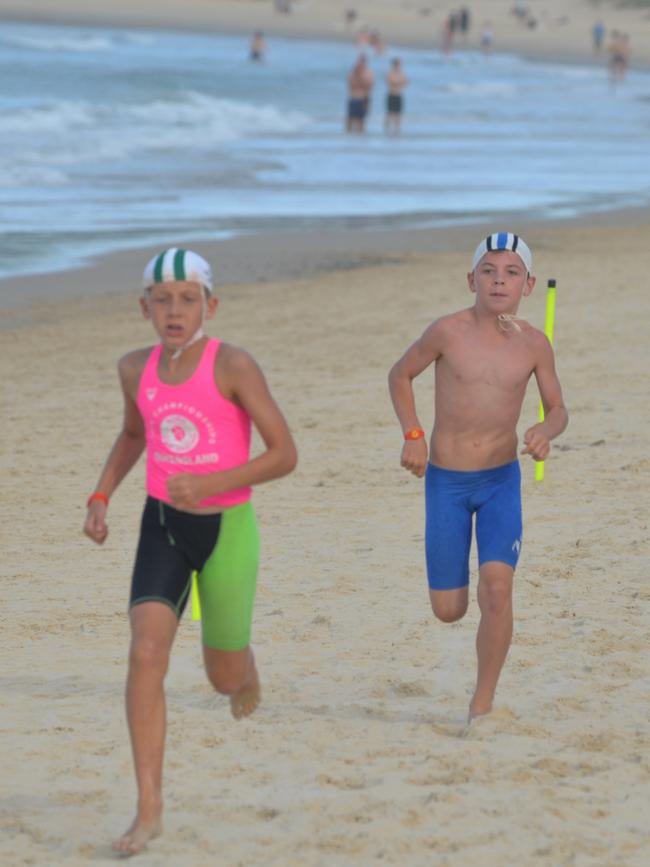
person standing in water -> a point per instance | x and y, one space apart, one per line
396 81
361 80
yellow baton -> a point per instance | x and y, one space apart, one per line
548 331
196 604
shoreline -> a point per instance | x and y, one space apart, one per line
562 33
285 255
282 255
289 257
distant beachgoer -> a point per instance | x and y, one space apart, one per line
464 20
448 29
619 56
190 401
598 35
361 80
396 81
484 357
363 37
283 7
257 46
487 38
520 9
376 42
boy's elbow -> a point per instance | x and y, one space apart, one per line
292 460
134 436
394 375
288 460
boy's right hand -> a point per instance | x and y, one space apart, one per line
95 526
414 456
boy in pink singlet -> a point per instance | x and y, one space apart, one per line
191 402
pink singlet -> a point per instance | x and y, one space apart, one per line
192 428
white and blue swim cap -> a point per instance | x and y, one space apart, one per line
177 264
504 241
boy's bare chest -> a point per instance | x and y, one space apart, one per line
505 365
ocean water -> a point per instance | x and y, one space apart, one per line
116 138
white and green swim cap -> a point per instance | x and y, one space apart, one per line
177 264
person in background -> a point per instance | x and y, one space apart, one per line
361 80
487 38
257 46
598 36
619 56
464 21
396 81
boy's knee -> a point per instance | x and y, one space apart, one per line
448 606
495 596
227 682
449 615
147 653
228 671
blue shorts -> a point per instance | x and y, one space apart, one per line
357 109
452 497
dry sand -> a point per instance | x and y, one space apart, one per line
358 754
563 26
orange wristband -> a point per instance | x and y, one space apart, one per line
415 433
97 496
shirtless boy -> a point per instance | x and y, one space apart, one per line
190 400
396 81
361 80
484 356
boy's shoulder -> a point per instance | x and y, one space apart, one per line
451 323
134 360
534 336
235 371
131 365
231 359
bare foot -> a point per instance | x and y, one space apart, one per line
477 709
137 837
244 702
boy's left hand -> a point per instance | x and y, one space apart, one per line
185 490
536 442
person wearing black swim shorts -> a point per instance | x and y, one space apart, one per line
396 81
190 402
361 80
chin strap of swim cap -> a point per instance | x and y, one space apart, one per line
198 334
508 322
